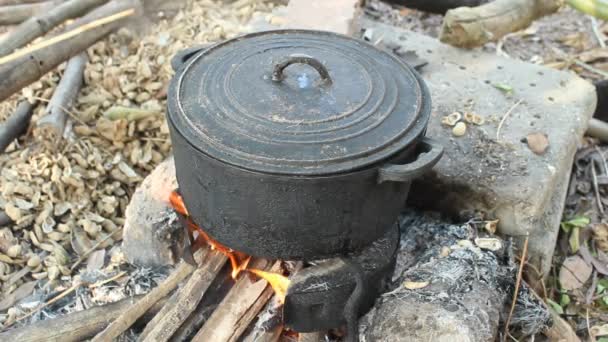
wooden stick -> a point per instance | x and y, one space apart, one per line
474 26
28 65
15 124
15 14
67 35
242 304
189 297
524 255
76 326
38 25
19 2
52 125
135 311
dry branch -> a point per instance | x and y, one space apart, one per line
15 14
75 326
38 25
19 2
238 309
15 124
135 311
52 124
475 26
18 71
189 297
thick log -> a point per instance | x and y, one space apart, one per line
474 26
15 124
23 70
52 124
76 326
189 297
238 309
16 14
135 311
435 258
437 6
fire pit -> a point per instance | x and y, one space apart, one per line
300 145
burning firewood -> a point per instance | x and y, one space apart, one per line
28 65
38 25
52 124
238 309
15 124
171 317
17 13
79 325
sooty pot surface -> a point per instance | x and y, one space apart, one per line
297 144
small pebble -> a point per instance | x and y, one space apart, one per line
33 261
460 129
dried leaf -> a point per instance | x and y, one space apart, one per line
491 226
414 285
21 292
537 142
80 241
491 244
96 260
574 273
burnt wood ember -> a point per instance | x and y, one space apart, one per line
318 295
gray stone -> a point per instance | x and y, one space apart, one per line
501 177
152 233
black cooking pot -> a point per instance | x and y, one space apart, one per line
297 144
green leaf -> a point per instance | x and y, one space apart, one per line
602 339
505 88
577 221
575 243
602 285
555 307
564 300
605 300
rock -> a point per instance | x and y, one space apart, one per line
462 295
501 178
152 233
336 16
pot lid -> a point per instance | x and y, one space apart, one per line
298 102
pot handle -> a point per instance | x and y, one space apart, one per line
277 72
182 56
431 153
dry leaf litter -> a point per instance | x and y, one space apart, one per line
65 197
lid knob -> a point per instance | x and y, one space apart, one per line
277 73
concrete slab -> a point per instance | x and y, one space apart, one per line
499 176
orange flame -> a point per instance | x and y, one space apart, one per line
238 261
278 282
